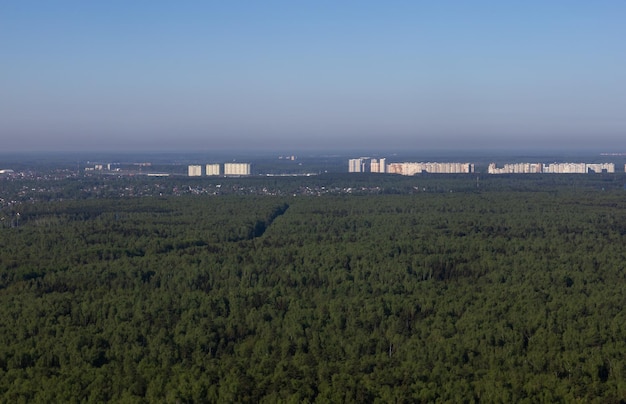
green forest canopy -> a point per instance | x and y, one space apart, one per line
489 295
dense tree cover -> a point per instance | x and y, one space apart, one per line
483 295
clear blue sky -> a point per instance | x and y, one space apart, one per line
153 75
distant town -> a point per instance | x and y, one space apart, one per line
225 166
26 180
372 165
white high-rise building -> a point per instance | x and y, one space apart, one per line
377 166
374 166
355 165
382 168
194 171
212 169
237 169
601 168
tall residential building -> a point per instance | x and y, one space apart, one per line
396 168
237 169
194 171
382 168
601 168
374 166
377 165
409 168
212 169
355 165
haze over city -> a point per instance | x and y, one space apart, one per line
166 76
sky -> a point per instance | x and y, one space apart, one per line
319 75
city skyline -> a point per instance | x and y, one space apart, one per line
159 76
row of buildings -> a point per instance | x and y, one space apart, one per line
371 165
231 169
553 168
435 168
366 164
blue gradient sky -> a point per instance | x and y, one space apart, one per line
151 75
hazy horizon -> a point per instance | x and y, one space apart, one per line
169 77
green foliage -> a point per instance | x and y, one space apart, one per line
496 295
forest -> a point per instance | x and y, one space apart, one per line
430 290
